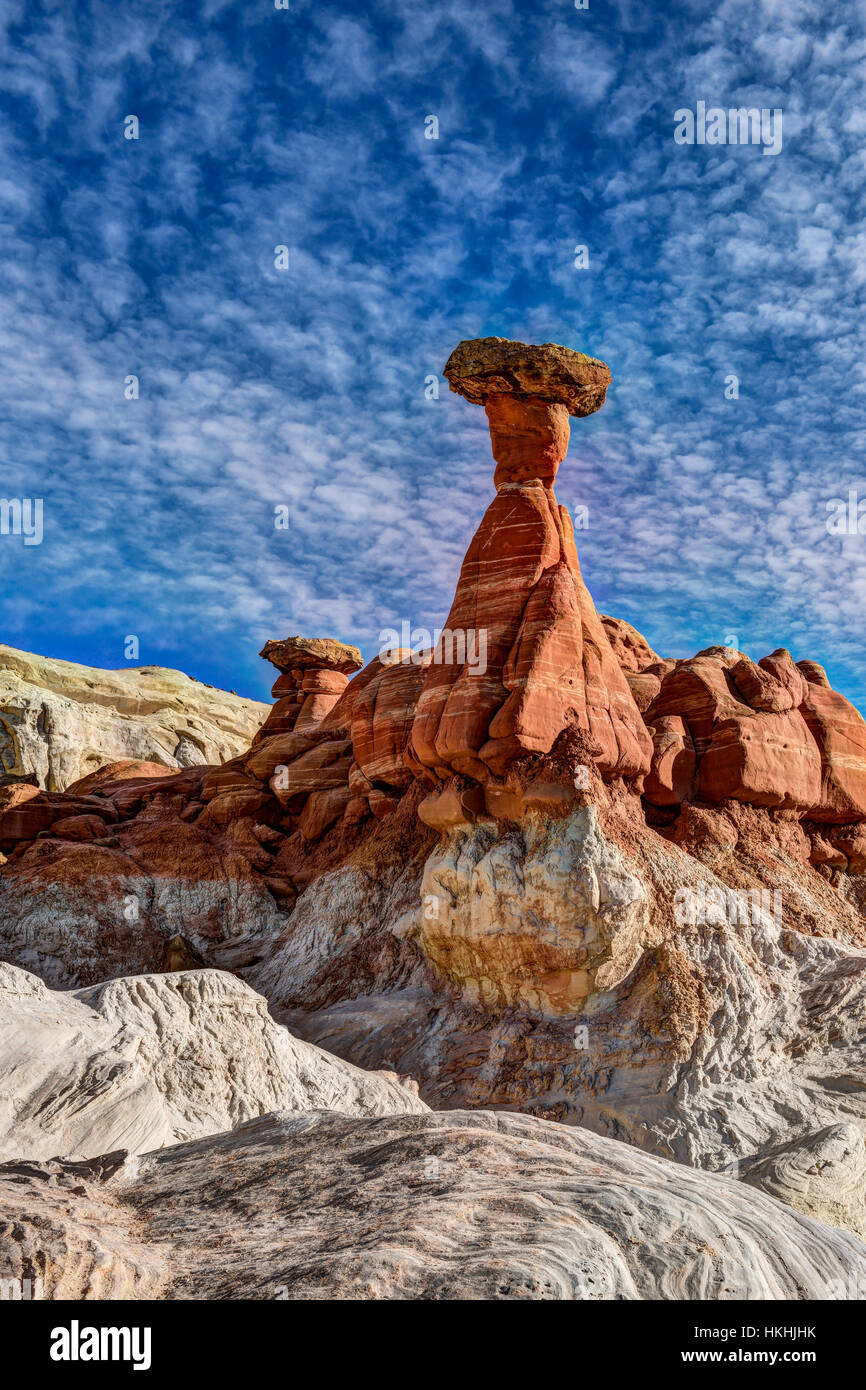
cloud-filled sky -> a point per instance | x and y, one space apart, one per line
304 388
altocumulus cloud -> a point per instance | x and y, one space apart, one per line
305 388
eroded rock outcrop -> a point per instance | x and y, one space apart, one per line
727 728
505 881
539 915
314 673
822 1174
152 1060
60 721
631 649
739 1027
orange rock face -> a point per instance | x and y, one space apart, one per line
631 649
376 711
127 770
771 733
672 775
840 734
381 722
547 663
644 687
26 812
775 684
768 759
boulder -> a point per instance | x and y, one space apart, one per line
814 673
270 753
229 807
766 759
87 827
771 733
26 812
231 777
700 692
853 846
821 851
292 654
314 674
479 368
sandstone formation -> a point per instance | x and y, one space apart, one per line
548 664
822 1174
729 1023
762 733
631 649
479 368
59 722
157 1059
541 917
314 673
126 770
468 1205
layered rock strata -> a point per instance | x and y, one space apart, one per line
507 882
314 673
457 1206
770 733
158 1059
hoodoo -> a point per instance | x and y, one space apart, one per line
550 666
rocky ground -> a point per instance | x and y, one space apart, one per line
606 909
464 1205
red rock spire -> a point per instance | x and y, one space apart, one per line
549 665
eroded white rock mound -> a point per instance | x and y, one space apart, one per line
156 1059
822 1174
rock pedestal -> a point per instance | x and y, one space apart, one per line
542 660
314 673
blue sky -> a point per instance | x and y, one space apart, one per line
305 388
